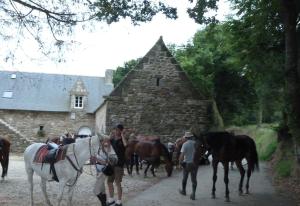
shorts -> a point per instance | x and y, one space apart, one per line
117 176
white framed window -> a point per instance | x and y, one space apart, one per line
78 102
7 94
13 76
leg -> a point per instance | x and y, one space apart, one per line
118 180
29 172
145 172
184 181
136 161
242 172
194 180
152 170
215 170
43 187
3 169
70 195
110 185
99 189
248 179
62 185
226 180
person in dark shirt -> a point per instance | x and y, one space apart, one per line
119 143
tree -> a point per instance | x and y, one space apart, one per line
59 17
121 71
210 62
289 12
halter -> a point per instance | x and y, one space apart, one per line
80 170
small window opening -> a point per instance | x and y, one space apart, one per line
41 127
157 81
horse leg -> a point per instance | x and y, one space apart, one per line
29 172
3 169
62 185
152 170
248 179
145 172
231 165
215 170
136 161
70 194
43 187
226 180
242 172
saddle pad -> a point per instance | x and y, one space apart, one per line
43 151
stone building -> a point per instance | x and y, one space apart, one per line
35 106
155 98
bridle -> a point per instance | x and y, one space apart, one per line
80 170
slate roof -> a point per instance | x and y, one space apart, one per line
48 92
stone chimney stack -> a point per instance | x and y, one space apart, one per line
109 76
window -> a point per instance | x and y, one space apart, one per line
7 94
78 102
157 81
41 127
13 76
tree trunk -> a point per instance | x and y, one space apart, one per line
218 124
292 76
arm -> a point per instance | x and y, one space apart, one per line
124 139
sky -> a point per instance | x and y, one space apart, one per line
109 46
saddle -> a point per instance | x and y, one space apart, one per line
49 155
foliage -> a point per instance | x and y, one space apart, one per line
284 168
210 63
33 18
121 71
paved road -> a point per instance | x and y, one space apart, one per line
166 192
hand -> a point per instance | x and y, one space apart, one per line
93 160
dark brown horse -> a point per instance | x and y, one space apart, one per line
203 158
225 147
4 155
151 152
62 140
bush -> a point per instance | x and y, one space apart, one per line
284 168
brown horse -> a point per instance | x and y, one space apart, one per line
151 152
4 156
62 140
203 158
225 147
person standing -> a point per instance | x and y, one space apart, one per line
187 161
105 154
119 143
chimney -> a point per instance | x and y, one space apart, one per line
109 76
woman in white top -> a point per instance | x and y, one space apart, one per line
105 155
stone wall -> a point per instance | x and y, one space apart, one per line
54 123
157 98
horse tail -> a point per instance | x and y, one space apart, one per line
254 156
6 162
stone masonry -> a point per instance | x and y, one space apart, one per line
157 98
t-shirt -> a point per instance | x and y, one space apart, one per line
119 148
188 150
103 156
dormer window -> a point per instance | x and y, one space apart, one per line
78 102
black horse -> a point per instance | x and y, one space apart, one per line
4 155
226 147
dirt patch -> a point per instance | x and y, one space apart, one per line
15 188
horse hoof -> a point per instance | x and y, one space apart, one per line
227 199
213 197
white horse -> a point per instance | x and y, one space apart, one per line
67 171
